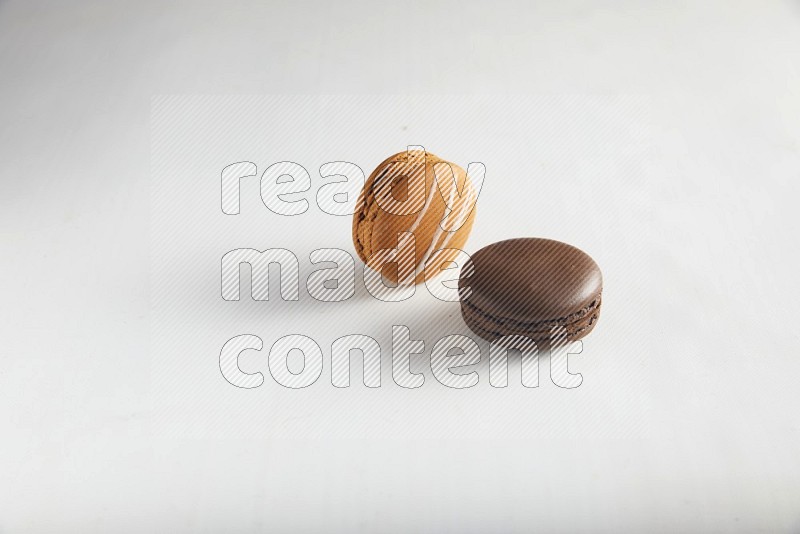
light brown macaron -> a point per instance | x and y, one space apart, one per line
403 195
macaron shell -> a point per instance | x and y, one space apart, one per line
577 325
530 279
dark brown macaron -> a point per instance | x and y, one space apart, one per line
527 287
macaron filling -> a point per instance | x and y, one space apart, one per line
577 324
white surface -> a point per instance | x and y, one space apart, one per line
569 168
712 443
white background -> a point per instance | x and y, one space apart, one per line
570 168
686 420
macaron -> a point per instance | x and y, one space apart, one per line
403 195
528 286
